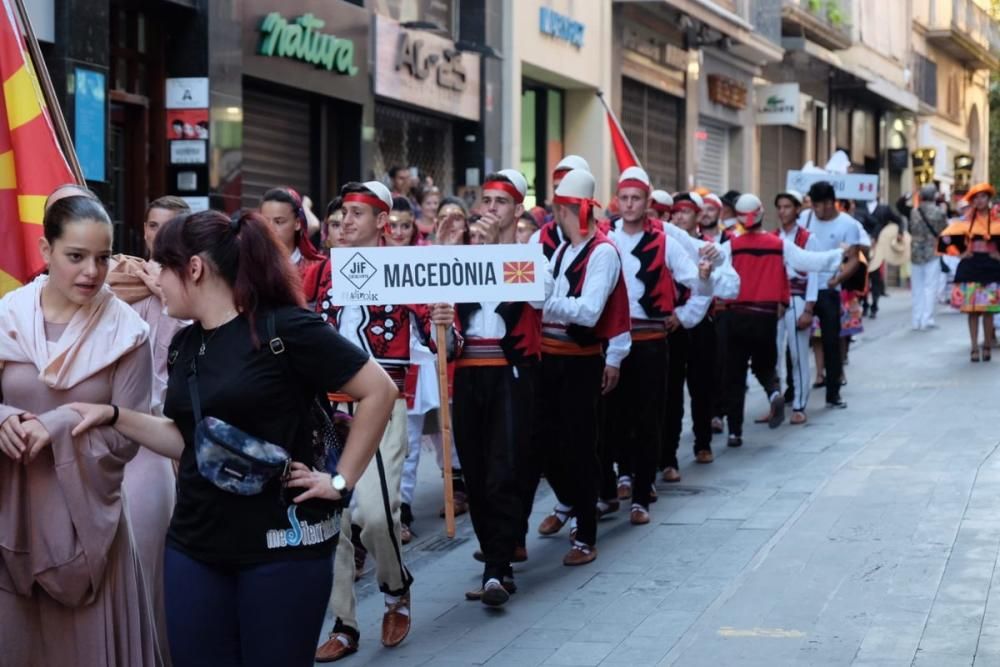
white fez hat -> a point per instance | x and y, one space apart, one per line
379 190
662 198
518 180
635 177
750 209
571 162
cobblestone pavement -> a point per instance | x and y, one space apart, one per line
868 537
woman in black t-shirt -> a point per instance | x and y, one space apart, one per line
247 578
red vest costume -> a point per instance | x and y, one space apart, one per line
797 286
659 296
550 239
385 330
615 318
759 259
522 341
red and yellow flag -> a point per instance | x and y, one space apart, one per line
32 163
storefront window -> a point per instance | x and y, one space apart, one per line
441 13
541 139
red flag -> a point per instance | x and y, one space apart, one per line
624 153
31 162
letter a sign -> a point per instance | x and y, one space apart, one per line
437 274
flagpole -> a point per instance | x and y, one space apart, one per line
621 131
48 92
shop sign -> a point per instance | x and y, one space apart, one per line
437 274
561 27
778 104
863 187
302 39
727 92
425 70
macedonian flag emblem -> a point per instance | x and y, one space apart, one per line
518 273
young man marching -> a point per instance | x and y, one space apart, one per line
759 258
494 402
384 332
794 325
651 265
550 234
588 307
692 346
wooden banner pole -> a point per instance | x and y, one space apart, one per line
444 414
48 92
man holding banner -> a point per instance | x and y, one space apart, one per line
494 401
384 332
588 307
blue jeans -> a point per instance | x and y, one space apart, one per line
245 615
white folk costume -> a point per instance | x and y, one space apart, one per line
494 412
588 307
760 260
693 357
384 332
653 266
793 342
549 234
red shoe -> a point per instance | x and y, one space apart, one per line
339 645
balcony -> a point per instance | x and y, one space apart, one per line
965 31
825 22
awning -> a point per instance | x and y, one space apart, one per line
749 45
898 98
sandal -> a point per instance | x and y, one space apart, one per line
974 356
819 384
987 352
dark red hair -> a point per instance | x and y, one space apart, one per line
243 250
289 195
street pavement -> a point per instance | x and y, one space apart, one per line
868 537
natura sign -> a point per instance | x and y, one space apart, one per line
302 39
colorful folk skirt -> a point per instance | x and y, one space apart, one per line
976 297
851 314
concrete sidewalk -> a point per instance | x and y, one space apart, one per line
867 537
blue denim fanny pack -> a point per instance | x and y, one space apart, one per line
230 458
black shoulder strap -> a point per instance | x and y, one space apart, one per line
926 222
192 379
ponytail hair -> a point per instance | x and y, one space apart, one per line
288 195
244 252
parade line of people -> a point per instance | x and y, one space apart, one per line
200 451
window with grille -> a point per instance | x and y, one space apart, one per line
409 139
925 79
651 120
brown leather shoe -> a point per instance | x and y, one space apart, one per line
624 491
612 507
396 625
339 645
639 516
798 418
551 524
671 475
520 555
716 425
461 504
507 583
704 456
405 534
580 555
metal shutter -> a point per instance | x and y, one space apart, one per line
713 155
651 120
408 139
277 149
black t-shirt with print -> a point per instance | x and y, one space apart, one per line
268 398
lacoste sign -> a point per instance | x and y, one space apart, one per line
301 39
777 104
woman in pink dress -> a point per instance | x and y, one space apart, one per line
71 591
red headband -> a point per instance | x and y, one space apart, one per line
685 204
584 204
661 208
506 187
633 183
561 171
751 218
371 200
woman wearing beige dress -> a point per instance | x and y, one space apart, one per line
71 592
